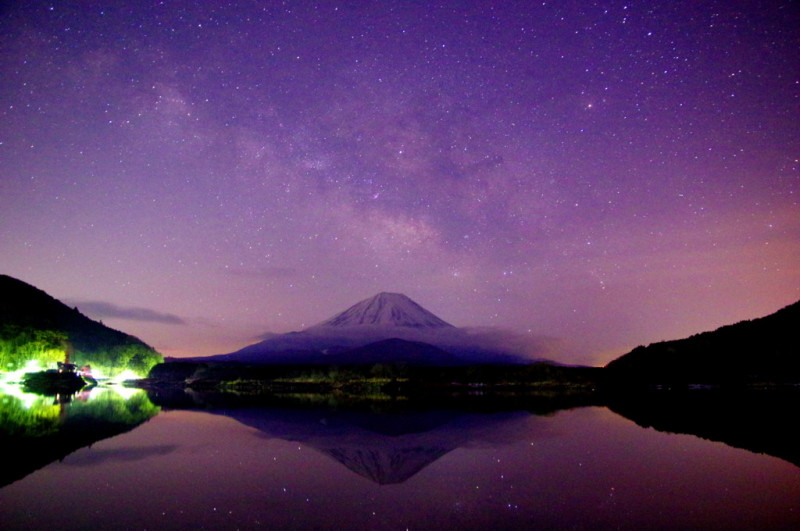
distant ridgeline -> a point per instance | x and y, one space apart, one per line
35 326
749 352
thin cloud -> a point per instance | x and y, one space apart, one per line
106 310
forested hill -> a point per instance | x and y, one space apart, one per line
34 325
760 350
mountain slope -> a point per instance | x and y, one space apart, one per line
764 349
397 351
34 325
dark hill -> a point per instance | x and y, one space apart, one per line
760 350
34 325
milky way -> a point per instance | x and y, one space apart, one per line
603 174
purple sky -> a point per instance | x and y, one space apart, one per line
606 174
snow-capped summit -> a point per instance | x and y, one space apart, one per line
386 309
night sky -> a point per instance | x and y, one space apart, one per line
602 174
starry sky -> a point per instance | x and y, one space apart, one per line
592 175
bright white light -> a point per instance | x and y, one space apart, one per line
126 392
16 376
127 374
28 400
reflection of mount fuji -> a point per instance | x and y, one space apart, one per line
385 447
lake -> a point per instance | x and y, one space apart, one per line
123 459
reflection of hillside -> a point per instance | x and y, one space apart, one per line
758 421
39 431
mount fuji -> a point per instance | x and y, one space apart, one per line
385 328
386 309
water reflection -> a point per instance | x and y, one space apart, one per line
390 441
386 442
37 429
758 421
232 462
385 448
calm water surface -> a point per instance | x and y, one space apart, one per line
280 468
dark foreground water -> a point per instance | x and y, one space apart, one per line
112 462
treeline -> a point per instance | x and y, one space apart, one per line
18 344
386 377
22 344
115 359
